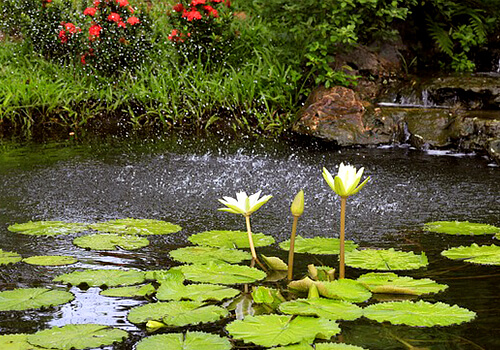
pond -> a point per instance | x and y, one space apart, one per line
179 179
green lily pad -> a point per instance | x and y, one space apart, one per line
320 346
203 254
111 242
49 228
344 289
274 263
77 336
420 313
173 290
230 239
269 296
390 283
32 298
177 313
97 278
385 259
318 245
17 342
136 227
485 254
188 341
50 260
9 257
272 330
326 308
130 291
321 273
165 275
461 228
221 273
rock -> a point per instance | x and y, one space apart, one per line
494 150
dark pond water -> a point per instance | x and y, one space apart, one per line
179 179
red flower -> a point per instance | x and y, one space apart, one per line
114 17
95 30
63 36
178 8
228 3
82 59
211 11
70 27
197 2
122 24
96 3
193 14
122 3
132 20
90 11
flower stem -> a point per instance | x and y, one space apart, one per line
250 241
343 201
292 248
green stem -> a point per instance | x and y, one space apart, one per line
250 241
292 248
343 201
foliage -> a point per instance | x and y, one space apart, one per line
16 342
391 283
318 245
32 298
174 290
344 289
110 242
203 254
9 257
97 278
461 228
188 341
326 308
420 313
385 259
50 260
77 336
272 330
221 273
136 227
130 291
230 239
487 255
50 228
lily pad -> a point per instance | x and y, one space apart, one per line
461 228
318 245
50 260
77 336
344 289
420 313
385 259
230 239
177 313
204 254
165 275
390 283
485 254
136 227
32 298
111 242
17 342
188 341
172 290
320 346
221 273
272 330
274 263
49 228
9 257
130 291
326 308
97 278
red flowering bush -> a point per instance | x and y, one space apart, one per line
201 29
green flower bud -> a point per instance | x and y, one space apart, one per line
298 204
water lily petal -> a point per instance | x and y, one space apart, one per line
260 203
328 178
360 186
339 187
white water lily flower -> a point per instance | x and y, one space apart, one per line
243 204
346 182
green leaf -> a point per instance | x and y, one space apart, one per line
420 313
202 255
130 291
221 273
318 245
50 228
97 278
326 308
177 313
9 257
272 330
50 260
136 227
165 275
275 263
16 342
110 242
385 259
344 289
32 298
461 228
390 283
173 290
269 296
487 255
321 273
230 239
77 336
188 341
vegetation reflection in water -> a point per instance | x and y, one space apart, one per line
269 318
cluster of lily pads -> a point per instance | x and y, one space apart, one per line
210 286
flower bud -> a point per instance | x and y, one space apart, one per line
298 204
